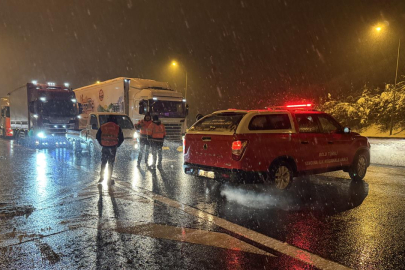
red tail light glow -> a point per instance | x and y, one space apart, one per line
236 145
238 148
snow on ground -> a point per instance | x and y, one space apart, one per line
388 151
373 131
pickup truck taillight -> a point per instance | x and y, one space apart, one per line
238 148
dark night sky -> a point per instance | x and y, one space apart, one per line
242 54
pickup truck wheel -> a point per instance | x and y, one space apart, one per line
77 149
91 150
359 167
21 138
281 175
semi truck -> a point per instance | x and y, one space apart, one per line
135 97
5 125
40 114
84 140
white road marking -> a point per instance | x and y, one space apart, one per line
259 238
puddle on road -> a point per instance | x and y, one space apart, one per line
8 211
189 235
48 253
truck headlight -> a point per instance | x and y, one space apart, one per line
41 135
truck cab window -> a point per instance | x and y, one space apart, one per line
167 109
328 125
307 123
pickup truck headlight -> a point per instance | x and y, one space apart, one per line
136 135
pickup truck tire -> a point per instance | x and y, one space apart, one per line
77 148
93 151
359 167
281 174
21 137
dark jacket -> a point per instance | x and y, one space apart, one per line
120 138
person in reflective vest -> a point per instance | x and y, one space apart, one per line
110 137
156 135
144 144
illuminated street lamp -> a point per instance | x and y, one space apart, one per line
378 29
175 64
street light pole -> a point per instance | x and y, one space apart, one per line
395 90
174 63
185 94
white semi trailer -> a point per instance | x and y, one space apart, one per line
135 97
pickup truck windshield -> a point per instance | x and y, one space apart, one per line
219 122
123 121
167 109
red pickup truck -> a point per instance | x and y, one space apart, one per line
274 144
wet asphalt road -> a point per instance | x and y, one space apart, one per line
54 216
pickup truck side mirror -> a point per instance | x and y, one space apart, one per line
94 126
346 130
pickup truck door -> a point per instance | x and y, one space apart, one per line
311 142
338 142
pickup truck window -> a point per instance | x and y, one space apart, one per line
307 123
270 122
123 121
219 122
328 124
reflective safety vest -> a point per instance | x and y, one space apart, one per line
157 132
144 127
109 134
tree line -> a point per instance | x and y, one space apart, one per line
371 106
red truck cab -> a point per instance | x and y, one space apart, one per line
5 123
275 144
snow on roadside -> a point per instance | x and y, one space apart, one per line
373 131
388 151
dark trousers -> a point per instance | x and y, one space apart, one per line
143 149
107 155
157 152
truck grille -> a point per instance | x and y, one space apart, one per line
58 129
173 132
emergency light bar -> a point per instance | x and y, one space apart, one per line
306 106
300 106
